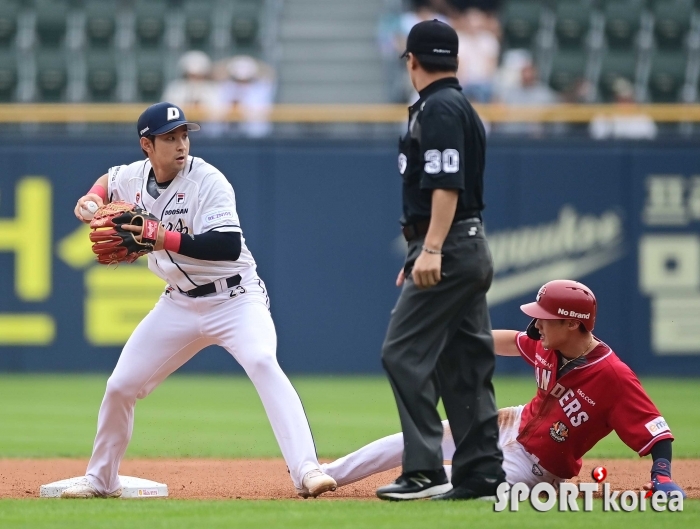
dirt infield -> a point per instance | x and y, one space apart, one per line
268 478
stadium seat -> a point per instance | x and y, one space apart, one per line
573 20
8 22
51 22
568 69
245 24
150 80
198 23
667 76
615 65
51 75
150 22
100 23
622 22
101 75
521 21
8 76
671 22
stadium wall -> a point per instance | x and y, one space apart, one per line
321 219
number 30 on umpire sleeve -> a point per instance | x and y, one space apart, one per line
447 161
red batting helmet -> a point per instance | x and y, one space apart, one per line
563 299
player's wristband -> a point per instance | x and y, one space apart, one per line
172 241
99 191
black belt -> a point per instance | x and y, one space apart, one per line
420 228
210 288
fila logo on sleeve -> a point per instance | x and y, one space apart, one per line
180 198
173 113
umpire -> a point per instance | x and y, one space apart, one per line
439 341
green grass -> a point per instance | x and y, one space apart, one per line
221 416
108 514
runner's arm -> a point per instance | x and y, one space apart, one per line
504 342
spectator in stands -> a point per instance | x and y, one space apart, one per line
249 85
626 122
519 84
392 34
478 55
519 81
488 10
195 88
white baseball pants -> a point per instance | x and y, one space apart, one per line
386 454
175 330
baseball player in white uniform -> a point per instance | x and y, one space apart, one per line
214 296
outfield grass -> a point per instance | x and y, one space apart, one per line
291 514
221 416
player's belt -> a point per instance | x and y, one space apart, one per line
420 228
215 286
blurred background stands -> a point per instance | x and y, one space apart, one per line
340 52
582 47
579 47
115 50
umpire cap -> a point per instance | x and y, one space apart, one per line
432 37
161 118
564 299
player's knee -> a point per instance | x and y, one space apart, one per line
120 389
261 364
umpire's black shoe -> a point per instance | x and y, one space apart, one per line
476 488
416 485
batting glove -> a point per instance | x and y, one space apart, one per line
661 477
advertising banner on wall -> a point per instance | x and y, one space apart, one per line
321 219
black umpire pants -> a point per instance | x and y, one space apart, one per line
439 344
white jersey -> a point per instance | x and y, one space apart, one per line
199 199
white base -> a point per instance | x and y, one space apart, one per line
131 488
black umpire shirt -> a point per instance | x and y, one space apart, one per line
444 148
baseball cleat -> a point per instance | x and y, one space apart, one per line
416 486
478 488
314 483
86 490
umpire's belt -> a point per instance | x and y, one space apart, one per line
215 286
420 228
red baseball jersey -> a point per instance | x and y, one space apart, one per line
572 412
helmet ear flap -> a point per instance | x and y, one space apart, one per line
532 331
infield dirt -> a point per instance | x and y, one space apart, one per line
268 478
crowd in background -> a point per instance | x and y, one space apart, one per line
240 82
487 73
490 74
479 30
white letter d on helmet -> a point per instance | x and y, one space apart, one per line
173 113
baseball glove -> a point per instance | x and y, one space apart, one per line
114 244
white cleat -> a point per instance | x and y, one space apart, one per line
85 490
314 483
